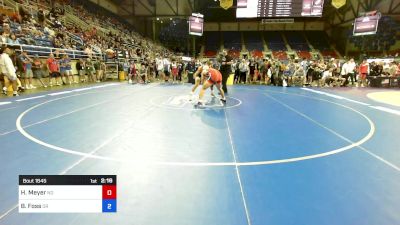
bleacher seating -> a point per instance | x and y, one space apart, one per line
253 41
296 41
257 53
275 41
304 54
329 54
212 44
232 40
318 40
234 53
281 55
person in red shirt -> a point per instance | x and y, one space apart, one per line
213 77
363 72
54 70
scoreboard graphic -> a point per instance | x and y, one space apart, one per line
279 8
196 22
67 194
366 25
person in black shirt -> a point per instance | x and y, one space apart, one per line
226 62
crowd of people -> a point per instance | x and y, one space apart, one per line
147 61
321 73
18 70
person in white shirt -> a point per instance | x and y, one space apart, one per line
159 66
351 68
167 68
244 70
8 70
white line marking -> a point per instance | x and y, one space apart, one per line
237 169
358 102
59 93
64 114
83 158
5 103
335 96
205 107
384 109
26 99
2 110
205 164
82 89
8 212
335 133
380 158
60 115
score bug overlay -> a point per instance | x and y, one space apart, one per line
67 194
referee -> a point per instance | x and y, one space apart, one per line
226 62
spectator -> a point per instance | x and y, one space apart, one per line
54 70
13 40
244 70
66 69
26 69
90 70
37 69
351 67
363 73
80 67
8 70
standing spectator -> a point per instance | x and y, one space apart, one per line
37 68
166 68
96 64
27 73
102 71
363 73
244 70
159 66
132 72
54 70
344 72
66 69
299 75
125 67
80 67
351 71
174 70
8 70
252 69
90 70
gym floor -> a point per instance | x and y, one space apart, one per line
272 155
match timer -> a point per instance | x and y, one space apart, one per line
67 194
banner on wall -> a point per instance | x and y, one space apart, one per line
338 3
226 4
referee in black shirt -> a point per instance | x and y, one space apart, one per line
226 61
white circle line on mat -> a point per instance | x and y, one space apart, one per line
198 164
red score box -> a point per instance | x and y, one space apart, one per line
109 192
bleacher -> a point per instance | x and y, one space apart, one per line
296 41
212 43
318 40
253 41
304 54
232 40
275 41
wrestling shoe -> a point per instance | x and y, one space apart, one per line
223 100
